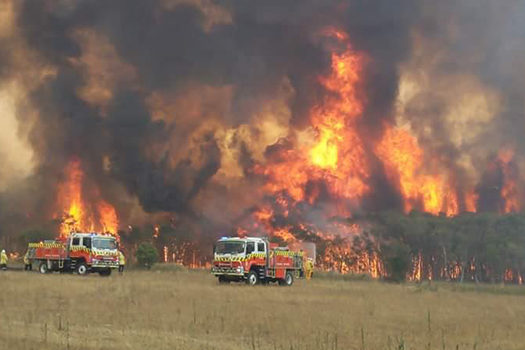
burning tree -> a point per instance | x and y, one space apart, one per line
81 215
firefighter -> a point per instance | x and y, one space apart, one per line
27 263
121 261
309 268
3 260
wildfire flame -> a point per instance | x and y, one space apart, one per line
336 158
332 161
336 155
80 215
403 160
509 192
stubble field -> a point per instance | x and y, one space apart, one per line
180 309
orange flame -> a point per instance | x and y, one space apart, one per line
509 192
78 215
337 154
334 162
416 274
339 150
108 217
70 198
471 201
403 160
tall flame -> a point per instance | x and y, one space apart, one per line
334 161
403 160
79 214
509 191
336 156
339 150
70 199
108 218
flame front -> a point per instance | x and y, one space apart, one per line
332 162
339 150
79 215
108 219
327 165
509 192
336 155
403 161
70 200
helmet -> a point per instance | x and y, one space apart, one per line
3 250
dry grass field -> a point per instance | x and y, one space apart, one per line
178 309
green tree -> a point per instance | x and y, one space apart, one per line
396 257
146 255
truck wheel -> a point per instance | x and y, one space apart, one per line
224 280
105 272
288 280
82 269
42 268
252 279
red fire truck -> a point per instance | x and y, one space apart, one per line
80 252
255 260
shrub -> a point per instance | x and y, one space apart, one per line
146 255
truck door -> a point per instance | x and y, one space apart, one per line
261 249
250 248
73 247
86 242
75 242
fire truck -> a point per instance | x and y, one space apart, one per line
79 252
255 260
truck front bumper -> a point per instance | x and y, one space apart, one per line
226 270
105 264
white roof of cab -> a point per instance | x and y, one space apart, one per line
243 239
84 234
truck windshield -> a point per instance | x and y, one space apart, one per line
104 243
229 247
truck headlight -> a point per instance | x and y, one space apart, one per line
240 269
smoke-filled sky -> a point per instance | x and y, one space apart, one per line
187 106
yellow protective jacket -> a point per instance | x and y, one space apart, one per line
310 265
3 258
121 258
26 259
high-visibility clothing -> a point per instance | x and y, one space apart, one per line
3 258
309 269
121 258
26 259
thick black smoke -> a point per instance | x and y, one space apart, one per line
250 48
259 46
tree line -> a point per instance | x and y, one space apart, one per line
479 247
